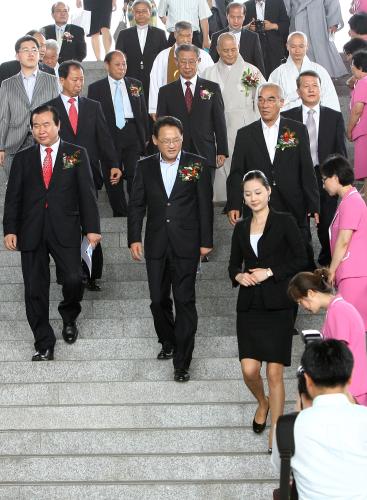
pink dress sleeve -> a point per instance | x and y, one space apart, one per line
360 91
337 325
350 214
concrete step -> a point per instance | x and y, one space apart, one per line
117 393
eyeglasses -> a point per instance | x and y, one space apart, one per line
174 142
324 179
29 51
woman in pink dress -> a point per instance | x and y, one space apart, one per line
357 125
358 6
342 322
348 234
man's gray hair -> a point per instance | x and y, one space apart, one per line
59 3
187 47
223 36
52 44
297 33
269 85
236 5
183 25
145 2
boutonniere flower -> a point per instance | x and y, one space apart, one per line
68 37
205 94
136 91
71 161
287 140
249 80
191 172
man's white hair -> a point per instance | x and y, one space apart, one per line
52 44
268 85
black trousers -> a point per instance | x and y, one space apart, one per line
197 39
178 275
36 276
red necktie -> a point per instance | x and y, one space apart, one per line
188 96
73 115
47 167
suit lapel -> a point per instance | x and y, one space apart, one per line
259 137
106 94
81 113
322 127
57 166
180 95
178 181
147 41
247 233
19 83
133 100
157 172
38 85
64 118
282 125
38 165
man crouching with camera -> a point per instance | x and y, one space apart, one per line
330 437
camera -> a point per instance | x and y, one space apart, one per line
310 336
259 26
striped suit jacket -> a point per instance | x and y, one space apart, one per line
15 108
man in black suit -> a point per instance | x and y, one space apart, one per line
198 103
270 20
11 68
327 136
50 195
174 188
248 42
218 19
82 122
141 44
70 37
280 148
130 139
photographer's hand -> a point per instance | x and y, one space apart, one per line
268 26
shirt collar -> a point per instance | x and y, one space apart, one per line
63 27
164 162
33 75
193 80
275 125
339 399
145 27
316 108
66 98
54 147
112 80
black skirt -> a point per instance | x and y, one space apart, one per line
101 11
263 334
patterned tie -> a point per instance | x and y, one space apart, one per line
119 107
312 132
47 168
73 115
188 96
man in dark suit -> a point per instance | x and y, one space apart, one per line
141 44
280 148
174 188
198 103
327 136
270 20
11 68
218 19
82 122
248 42
50 195
129 137
70 37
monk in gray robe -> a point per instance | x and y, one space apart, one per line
319 20
240 107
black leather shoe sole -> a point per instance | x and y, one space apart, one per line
47 355
181 376
163 354
70 333
92 286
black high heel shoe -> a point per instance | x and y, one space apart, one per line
259 428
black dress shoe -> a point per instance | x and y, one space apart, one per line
259 428
92 286
181 375
270 451
166 352
205 258
70 332
44 355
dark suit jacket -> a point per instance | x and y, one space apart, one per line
70 197
184 220
250 48
92 133
140 64
11 68
331 138
76 49
100 91
205 126
296 190
273 41
281 248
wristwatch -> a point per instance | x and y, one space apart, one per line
269 272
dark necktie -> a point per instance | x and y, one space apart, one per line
188 96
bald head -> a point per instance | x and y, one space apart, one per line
297 47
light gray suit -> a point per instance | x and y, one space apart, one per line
15 111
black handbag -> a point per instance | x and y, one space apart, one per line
285 440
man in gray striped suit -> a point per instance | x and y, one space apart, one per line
19 95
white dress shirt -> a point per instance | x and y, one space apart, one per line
128 112
55 149
237 35
29 83
192 86
191 11
142 32
271 137
169 173
60 30
316 116
65 99
330 460
260 10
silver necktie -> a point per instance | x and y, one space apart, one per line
312 132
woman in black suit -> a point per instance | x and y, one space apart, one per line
267 250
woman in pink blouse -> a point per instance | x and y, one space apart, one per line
342 322
357 125
358 6
348 234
